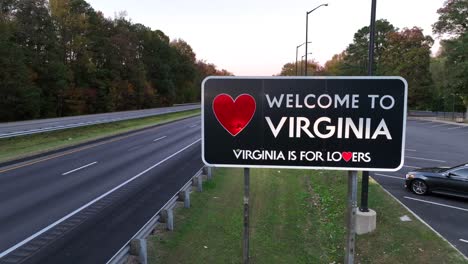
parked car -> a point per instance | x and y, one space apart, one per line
450 181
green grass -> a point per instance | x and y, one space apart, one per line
297 216
17 147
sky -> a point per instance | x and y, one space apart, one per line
257 37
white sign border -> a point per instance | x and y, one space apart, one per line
403 142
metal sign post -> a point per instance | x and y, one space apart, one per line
351 217
245 245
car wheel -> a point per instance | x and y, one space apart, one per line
419 187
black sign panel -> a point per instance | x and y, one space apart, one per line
349 123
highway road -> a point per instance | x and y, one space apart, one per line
13 129
83 205
433 144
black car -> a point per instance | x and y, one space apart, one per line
451 181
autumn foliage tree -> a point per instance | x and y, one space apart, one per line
313 68
403 53
407 54
61 57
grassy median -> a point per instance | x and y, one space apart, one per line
17 147
297 216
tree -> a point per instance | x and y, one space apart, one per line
313 68
40 48
453 18
403 53
18 96
184 72
356 58
407 54
61 57
455 51
334 66
440 77
453 21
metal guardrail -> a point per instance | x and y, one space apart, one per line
121 256
197 103
89 123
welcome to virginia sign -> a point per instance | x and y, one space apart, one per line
348 123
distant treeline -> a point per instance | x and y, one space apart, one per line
61 58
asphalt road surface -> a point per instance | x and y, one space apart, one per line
13 129
52 210
83 205
433 144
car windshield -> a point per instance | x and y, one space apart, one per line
455 167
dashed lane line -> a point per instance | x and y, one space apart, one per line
163 137
80 168
47 228
53 156
418 158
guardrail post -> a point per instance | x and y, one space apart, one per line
138 248
207 172
198 181
185 196
210 173
167 216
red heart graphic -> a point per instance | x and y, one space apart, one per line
234 115
347 155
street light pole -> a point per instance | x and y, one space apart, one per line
302 59
372 38
307 33
296 55
365 174
296 58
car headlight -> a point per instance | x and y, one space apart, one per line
409 176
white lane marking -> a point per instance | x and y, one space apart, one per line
455 127
134 148
47 228
418 158
82 167
463 240
389 176
160 138
424 122
422 221
440 204
193 126
414 167
410 150
442 125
